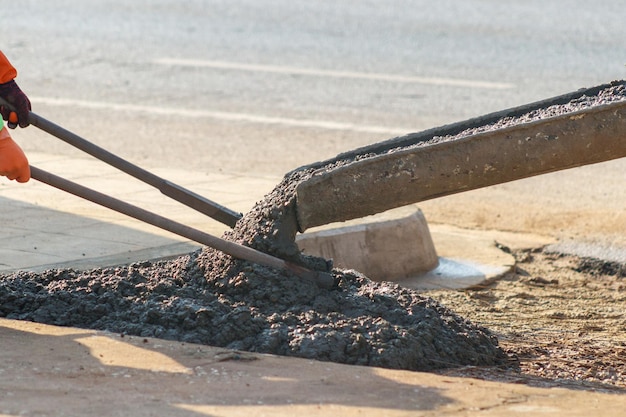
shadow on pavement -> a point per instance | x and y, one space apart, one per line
69 371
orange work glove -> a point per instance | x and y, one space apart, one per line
13 162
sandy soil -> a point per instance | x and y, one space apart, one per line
561 318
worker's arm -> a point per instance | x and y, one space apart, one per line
13 162
12 94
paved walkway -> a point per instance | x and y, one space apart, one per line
46 228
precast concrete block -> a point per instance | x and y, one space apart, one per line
390 246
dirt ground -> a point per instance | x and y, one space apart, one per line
561 318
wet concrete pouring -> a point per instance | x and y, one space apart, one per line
210 298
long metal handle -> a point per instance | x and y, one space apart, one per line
176 192
322 279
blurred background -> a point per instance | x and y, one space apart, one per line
269 85
264 86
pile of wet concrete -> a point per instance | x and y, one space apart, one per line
210 298
201 298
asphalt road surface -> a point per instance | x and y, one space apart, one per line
263 87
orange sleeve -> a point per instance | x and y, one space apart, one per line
7 72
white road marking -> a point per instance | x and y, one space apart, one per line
218 115
452 82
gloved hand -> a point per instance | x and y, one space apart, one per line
13 162
13 95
